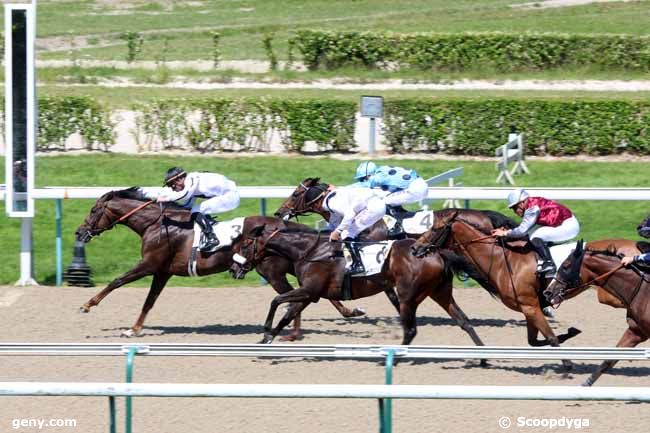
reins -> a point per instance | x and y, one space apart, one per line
128 214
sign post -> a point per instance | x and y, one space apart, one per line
372 107
20 125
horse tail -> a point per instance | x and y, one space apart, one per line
457 264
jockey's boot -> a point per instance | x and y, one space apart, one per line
545 266
357 265
211 241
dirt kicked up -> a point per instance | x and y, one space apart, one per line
234 315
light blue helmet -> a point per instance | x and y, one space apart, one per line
366 168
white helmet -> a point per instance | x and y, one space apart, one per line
517 196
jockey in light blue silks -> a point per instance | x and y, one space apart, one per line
404 186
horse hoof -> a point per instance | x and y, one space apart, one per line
291 337
484 363
568 366
358 311
84 309
587 382
128 333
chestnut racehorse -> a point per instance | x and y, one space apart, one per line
508 270
599 264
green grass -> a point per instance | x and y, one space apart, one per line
114 252
126 97
243 24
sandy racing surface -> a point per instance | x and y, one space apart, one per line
234 315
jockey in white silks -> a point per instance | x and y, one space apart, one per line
352 210
220 194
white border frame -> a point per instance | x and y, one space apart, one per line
30 10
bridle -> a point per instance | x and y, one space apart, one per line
257 253
93 231
302 206
574 282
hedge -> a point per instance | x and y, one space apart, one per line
503 52
61 117
248 124
450 126
461 127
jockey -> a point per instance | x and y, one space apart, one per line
544 221
220 193
403 186
352 210
641 258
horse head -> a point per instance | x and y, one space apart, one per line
248 251
109 210
306 198
434 238
567 280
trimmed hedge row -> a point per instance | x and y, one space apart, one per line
248 124
457 127
456 52
460 127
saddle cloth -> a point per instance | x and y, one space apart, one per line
373 257
226 231
416 225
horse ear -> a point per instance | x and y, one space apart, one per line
579 248
257 230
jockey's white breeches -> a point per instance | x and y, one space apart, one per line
415 192
569 229
374 210
218 204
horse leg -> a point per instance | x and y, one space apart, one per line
157 285
536 322
345 311
630 338
294 310
298 295
444 297
393 298
142 269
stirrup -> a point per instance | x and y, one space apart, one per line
357 270
546 268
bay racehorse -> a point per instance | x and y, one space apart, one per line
310 194
599 264
320 269
167 234
508 270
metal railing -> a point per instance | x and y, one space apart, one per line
384 393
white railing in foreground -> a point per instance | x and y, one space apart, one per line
361 351
324 391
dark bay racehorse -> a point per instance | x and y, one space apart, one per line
320 270
599 264
166 246
309 195
508 270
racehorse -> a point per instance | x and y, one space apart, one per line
599 264
320 269
167 235
508 269
309 196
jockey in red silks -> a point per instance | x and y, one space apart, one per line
543 221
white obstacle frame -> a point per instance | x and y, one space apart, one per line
513 150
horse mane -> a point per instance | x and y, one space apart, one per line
458 263
133 193
499 220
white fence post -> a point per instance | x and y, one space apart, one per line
448 176
513 150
